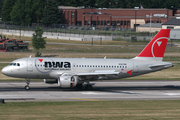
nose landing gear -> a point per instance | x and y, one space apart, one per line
27 82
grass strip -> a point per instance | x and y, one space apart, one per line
98 110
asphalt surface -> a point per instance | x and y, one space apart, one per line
106 90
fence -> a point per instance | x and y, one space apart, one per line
81 33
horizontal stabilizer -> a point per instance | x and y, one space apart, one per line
166 65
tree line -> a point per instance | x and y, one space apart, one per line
26 12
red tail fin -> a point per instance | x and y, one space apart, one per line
156 47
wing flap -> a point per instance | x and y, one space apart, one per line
99 72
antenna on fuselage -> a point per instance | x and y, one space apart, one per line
105 57
30 56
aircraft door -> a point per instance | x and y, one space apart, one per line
135 67
30 66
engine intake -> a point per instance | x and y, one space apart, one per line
67 80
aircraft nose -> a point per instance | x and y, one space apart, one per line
5 71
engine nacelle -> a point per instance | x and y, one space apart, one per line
67 80
50 81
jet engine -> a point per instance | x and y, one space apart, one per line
50 81
66 81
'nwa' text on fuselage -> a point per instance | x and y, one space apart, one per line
57 64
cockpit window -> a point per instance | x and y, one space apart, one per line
14 64
11 64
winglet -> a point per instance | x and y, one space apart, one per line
156 47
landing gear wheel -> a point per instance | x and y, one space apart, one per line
27 87
88 87
79 86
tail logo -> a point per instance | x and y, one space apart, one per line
157 50
156 47
159 43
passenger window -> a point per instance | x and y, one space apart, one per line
14 64
18 64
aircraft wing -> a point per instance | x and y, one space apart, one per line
99 72
55 74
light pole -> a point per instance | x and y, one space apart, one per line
136 8
150 17
20 19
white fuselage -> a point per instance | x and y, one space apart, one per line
52 68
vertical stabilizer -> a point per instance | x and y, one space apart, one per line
156 47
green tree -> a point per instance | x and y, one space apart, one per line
17 12
28 12
7 8
38 7
51 13
38 41
1 6
87 3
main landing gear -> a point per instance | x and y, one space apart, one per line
88 86
27 82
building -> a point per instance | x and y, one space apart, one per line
121 18
173 23
153 27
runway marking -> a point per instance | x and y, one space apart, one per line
91 93
84 99
173 94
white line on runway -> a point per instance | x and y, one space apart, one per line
92 93
172 94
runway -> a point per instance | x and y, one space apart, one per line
106 90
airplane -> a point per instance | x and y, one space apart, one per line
74 72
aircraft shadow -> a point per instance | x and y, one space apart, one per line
114 89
